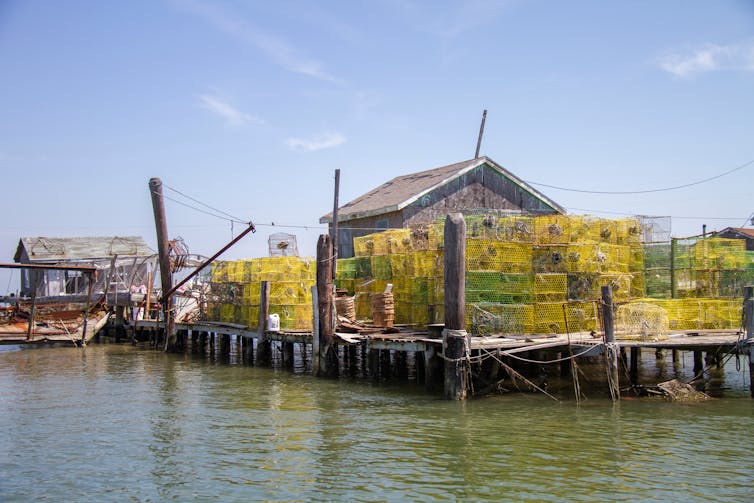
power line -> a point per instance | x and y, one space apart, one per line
203 211
664 189
237 219
671 216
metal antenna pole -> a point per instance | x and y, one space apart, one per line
481 133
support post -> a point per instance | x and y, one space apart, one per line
454 342
749 316
287 354
33 308
163 250
673 289
334 236
315 335
611 348
328 356
264 349
634 369
698 363
432 368
84 326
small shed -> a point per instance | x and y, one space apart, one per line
426 196
121 261
738 233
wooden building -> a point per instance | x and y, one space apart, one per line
738 233
429 195
120 261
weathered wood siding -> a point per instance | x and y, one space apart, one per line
480 188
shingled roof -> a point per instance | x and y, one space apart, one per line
43 249
404 190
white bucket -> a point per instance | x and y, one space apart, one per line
273 323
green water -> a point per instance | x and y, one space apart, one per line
115 423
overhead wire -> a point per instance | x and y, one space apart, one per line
626 192
203 204
671 216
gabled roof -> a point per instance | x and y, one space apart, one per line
404 190
746 233
62 249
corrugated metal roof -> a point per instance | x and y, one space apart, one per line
46 249
403 190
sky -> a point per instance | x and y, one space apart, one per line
249 107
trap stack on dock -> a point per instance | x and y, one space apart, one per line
383 310
544 274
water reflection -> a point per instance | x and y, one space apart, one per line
117 422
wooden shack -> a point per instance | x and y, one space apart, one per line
424 197
121 261
738 233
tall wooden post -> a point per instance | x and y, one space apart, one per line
315 334
34 278
163 250
89 288
673 288
334 236
328 357
611 348
749 316
453 336
264 348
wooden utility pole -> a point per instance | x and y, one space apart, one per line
454 342
334 236
481 133
611 348
163 250
327 354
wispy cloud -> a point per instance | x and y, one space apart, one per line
278 50
319 142
232 116
450 23
708 58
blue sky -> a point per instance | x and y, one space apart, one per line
249 107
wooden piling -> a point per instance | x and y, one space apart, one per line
34 281
327 354
248 350
374 363
163 250
698 363
287 354
225 346
611 348
264 349
454 343
749 316
633 372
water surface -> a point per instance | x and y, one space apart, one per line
117 423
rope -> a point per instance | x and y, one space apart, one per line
546 362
